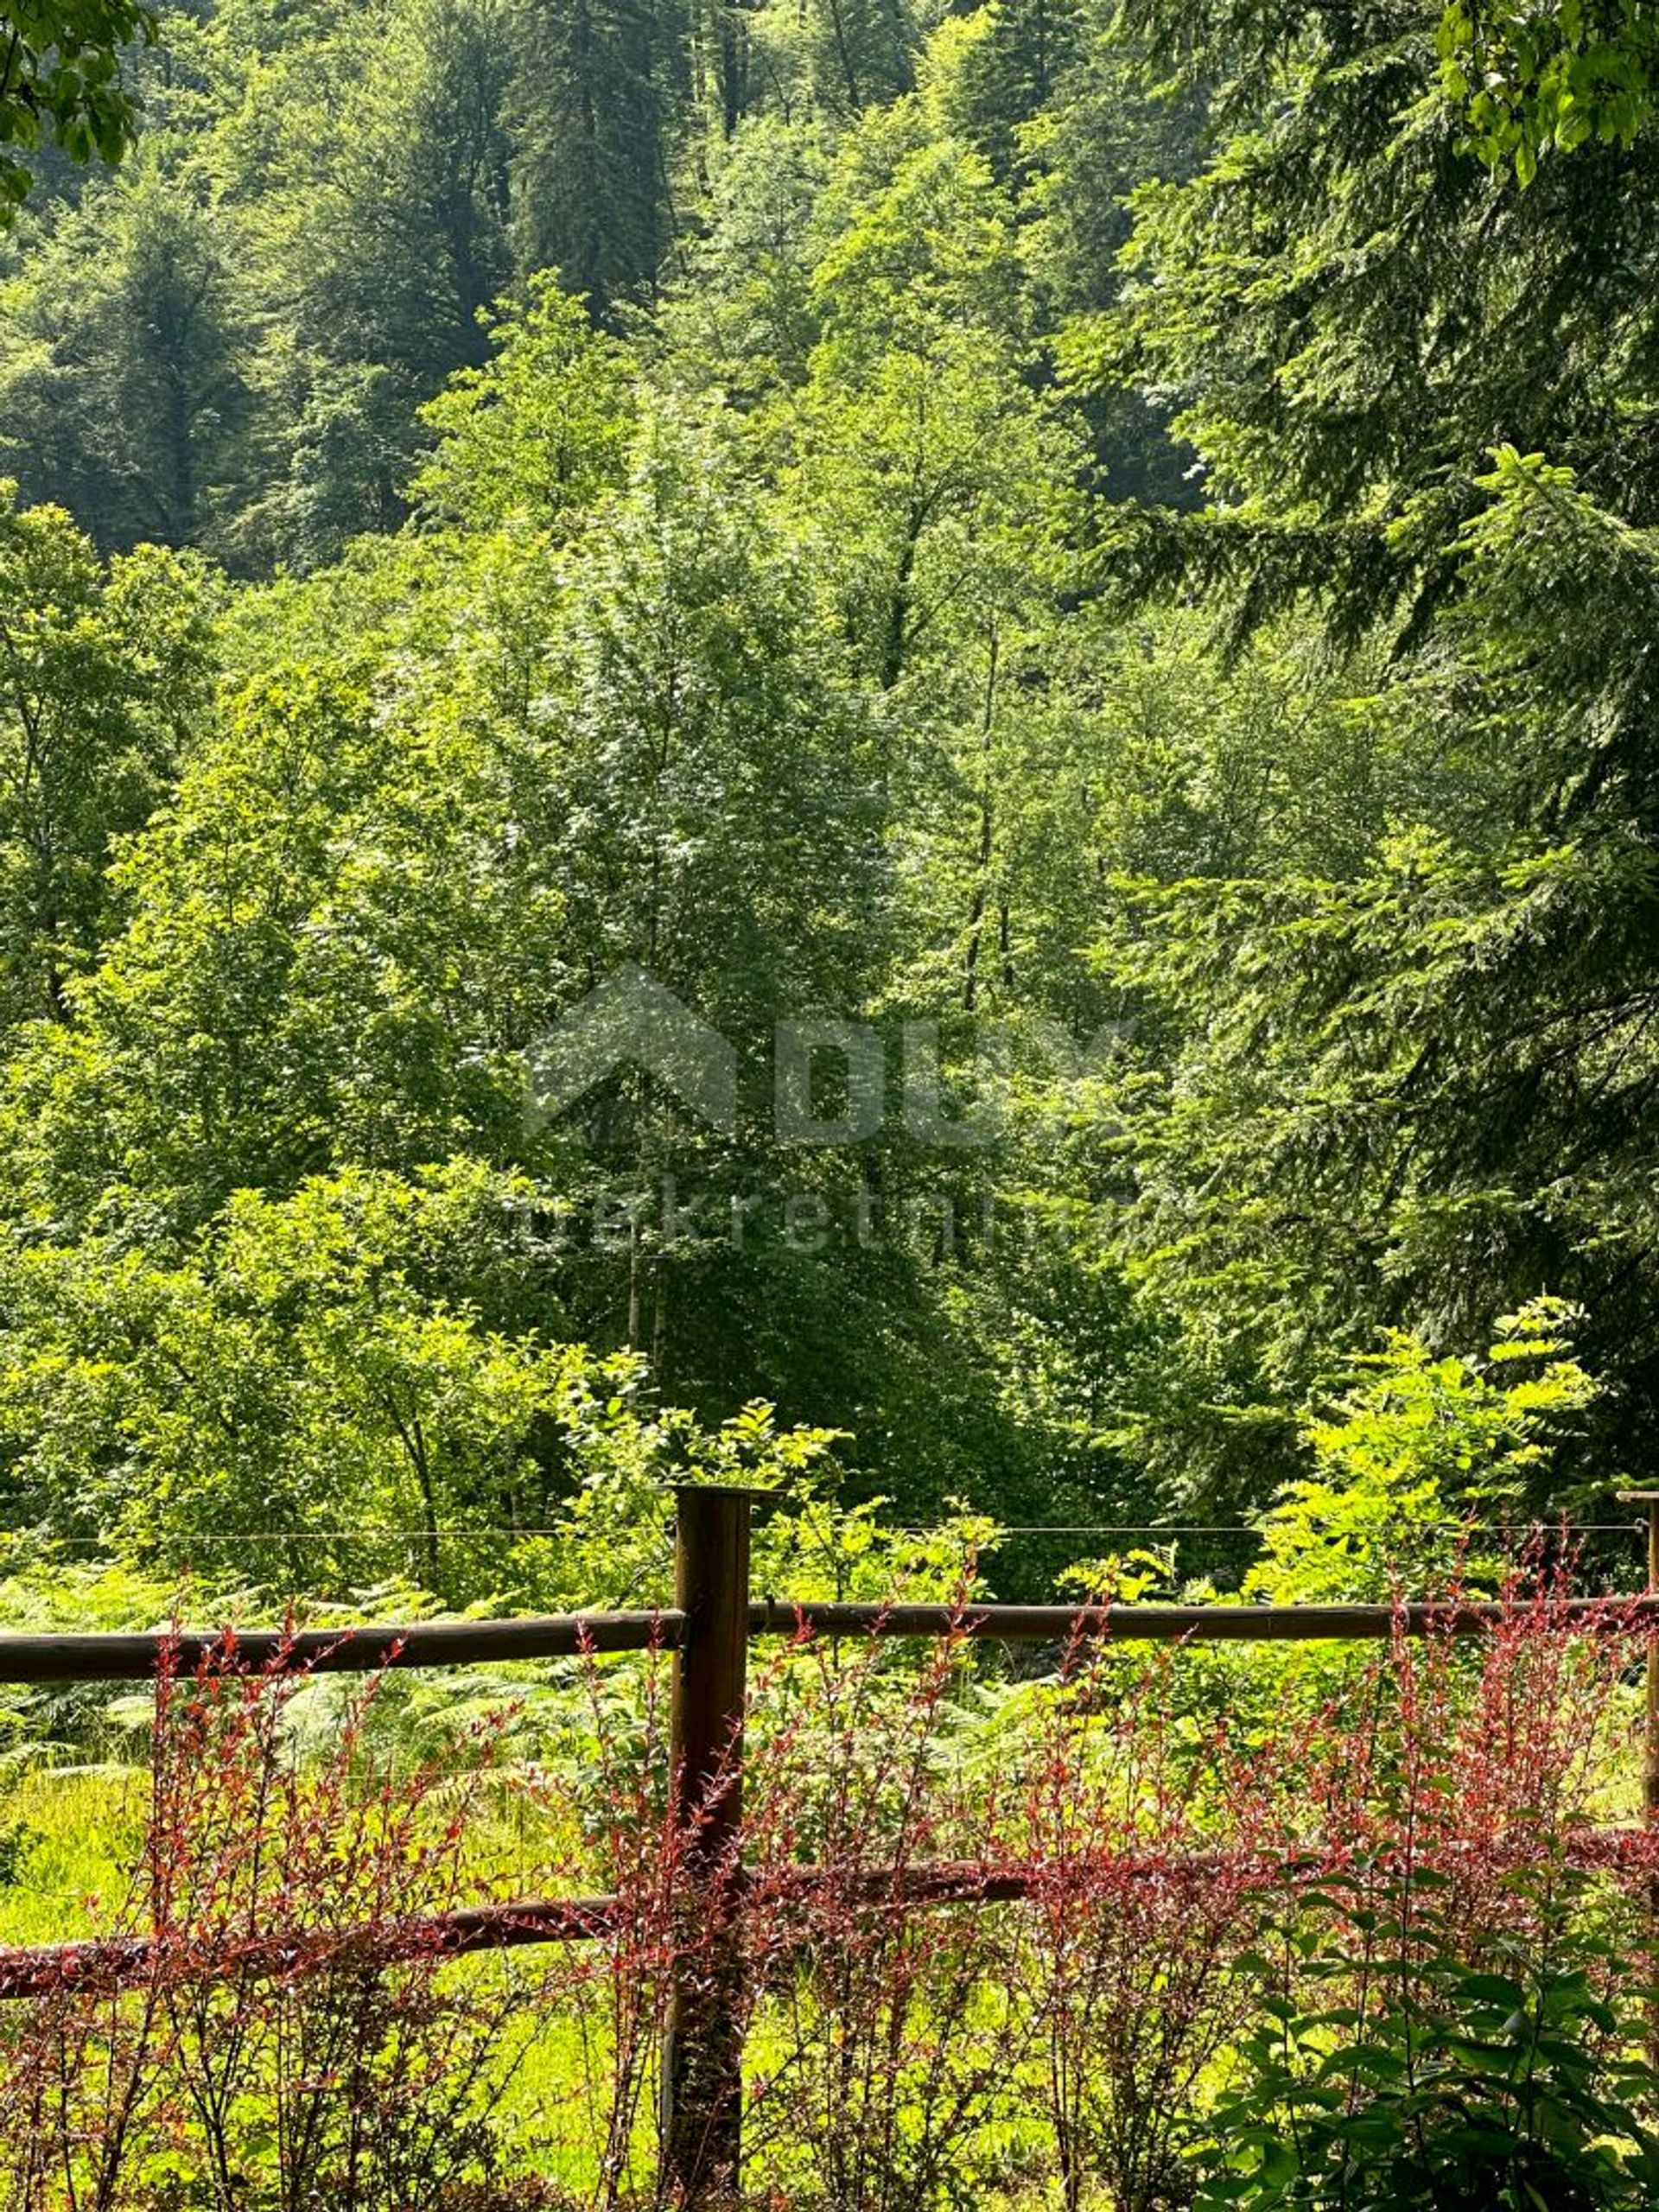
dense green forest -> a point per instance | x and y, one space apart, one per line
1079 580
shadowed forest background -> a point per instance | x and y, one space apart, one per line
1131 525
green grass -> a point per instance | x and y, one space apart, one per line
68 1841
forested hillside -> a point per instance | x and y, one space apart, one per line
1078 580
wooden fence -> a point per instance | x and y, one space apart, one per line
708 1629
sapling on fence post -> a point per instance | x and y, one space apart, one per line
702 2049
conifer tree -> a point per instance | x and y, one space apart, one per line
598 88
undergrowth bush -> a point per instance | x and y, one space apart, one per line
1395 2075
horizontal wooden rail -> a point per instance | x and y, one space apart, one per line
107 1964
111 1658
120 1962
1186 1624
122 1657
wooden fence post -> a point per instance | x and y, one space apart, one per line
702 2047
1650 1752
1650 1748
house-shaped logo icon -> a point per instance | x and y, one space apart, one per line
632 1020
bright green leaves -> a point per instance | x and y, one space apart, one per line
102 670
921 453
1534 80
1415 1446
332 929
319 1362
923 240
1440 2084
781 636
744 316
538 431
61 82
1008 62
363 1378
716 776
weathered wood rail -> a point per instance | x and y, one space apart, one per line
116 1657
708 1630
